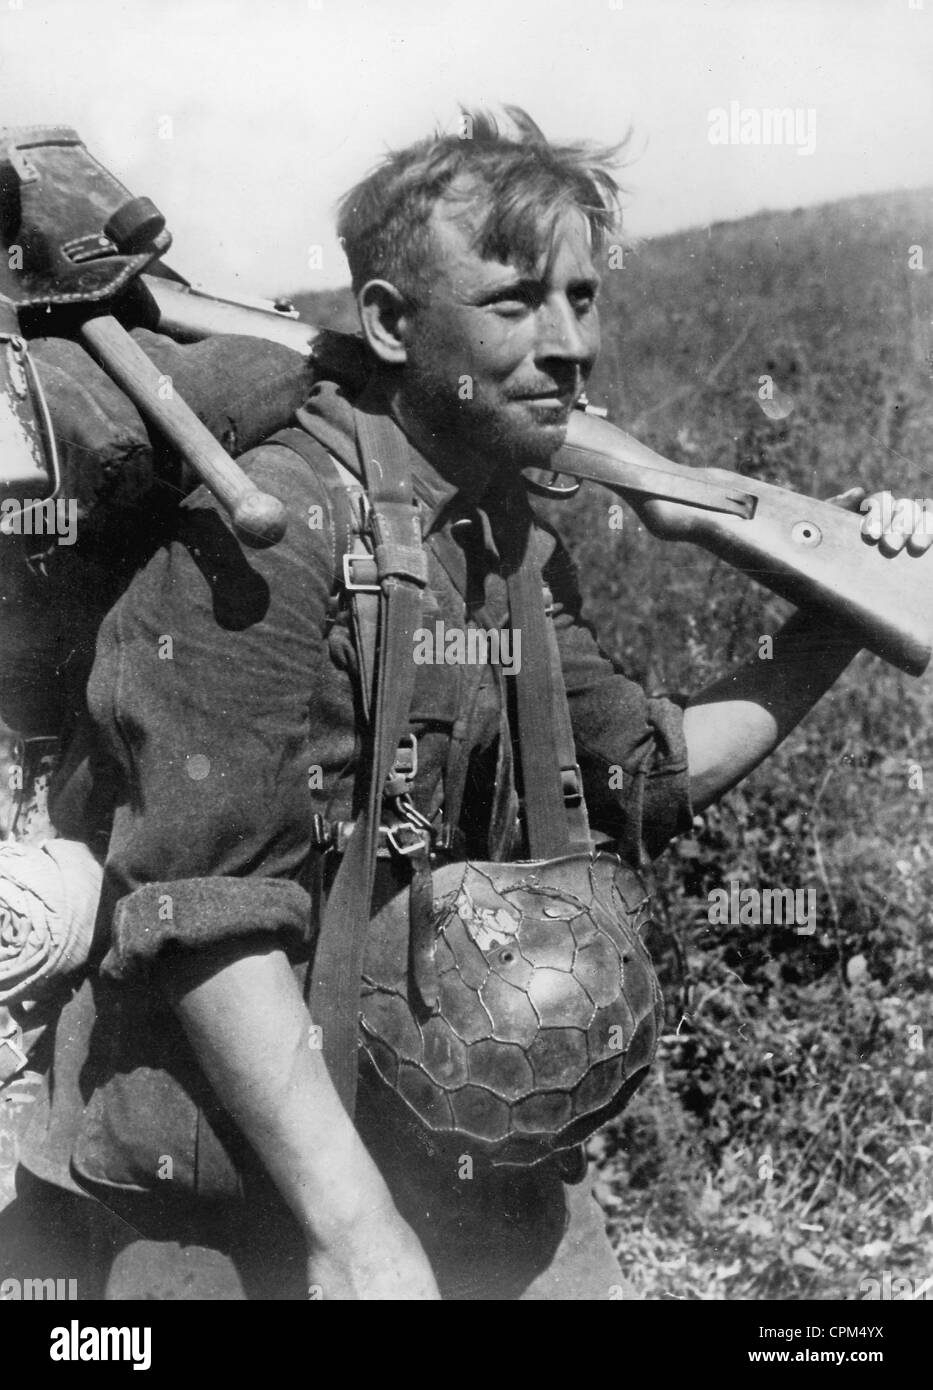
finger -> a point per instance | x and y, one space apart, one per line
919 543
893 542
877 508
849 499
921 537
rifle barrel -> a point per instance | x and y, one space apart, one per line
188 314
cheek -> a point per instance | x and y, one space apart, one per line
483 347
594 335
497 348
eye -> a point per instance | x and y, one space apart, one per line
583 298
513 302
513 308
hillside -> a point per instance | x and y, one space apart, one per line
782 1148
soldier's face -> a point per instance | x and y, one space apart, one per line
497 354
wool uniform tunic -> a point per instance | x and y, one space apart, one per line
225 712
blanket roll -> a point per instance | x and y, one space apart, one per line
48 904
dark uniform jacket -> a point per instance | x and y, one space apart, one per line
225 709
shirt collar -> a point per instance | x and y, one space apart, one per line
328 415
439 500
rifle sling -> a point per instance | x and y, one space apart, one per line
543 718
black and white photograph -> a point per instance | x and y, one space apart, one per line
466 700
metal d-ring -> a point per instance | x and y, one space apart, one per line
536 480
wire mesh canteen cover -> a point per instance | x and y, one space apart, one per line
549 1013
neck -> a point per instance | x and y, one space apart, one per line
440 445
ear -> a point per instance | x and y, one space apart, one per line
385 314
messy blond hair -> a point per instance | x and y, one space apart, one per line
518 184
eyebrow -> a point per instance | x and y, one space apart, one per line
527 285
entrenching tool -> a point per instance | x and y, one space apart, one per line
72 242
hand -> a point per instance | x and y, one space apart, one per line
892 523
379 1258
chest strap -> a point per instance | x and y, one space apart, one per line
554 807
386 579
401 575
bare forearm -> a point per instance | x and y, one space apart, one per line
251 1033
733 725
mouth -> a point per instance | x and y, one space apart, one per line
549 400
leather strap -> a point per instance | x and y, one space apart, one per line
355 569
402 572
578 823
535 694
549 730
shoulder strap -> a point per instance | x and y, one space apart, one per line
354 563
555 814
340 485
552 819
400 579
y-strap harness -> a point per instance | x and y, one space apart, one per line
384 573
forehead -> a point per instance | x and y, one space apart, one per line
456 260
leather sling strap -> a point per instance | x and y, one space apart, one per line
535 695
459 549
402 573
578 823
555 811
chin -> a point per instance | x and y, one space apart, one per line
534 446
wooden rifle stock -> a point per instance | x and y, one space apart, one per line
807 551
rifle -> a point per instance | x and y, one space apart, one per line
805 550
808 551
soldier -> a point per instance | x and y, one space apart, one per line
227 702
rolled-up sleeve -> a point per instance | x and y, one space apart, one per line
630 746
207 674
200 912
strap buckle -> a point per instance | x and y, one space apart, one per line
365 583
406 758
571 784
419 841
401 778
12 1066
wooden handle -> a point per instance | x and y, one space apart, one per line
258 518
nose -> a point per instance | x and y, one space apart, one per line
562 335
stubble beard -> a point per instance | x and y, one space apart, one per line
478 438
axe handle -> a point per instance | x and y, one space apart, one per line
258 518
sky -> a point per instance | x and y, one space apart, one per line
244 120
